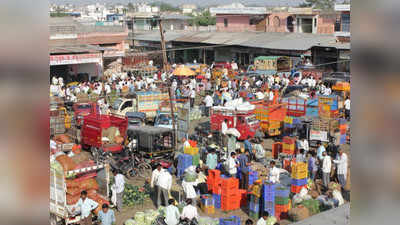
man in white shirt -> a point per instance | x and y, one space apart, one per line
260 95
154 177
273 173
119 187
263 218
86 205
271 96
171 213
164 183
232 165
341 167
192 97
189 211
347 108
208 101
53 143
224 129
326 169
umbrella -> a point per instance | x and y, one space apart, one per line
184 71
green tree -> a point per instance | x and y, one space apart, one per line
203 19
165 7
319 4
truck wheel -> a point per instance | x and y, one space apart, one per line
96 154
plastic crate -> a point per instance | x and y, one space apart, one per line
233 220
214 173
282 208
296 189
282 192
300 175
299 182
289 140
268 196
230 183
269 205
217 201
254 206
282 200
229 204
207 209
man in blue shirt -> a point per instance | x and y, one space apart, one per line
248 147
106 216
211 160
244 168
312 166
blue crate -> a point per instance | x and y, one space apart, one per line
299 182
184 161
342 139
269 187
269 206
233 220
280 192
288 125
268 196
271 211
207 200
255 207
296 121
217 201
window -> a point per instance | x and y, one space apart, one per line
126 105
345 22
315 22
277 22
225 22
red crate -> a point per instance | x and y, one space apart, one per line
243 197
297 189
232 203
216 189
231 183
214 174
289 140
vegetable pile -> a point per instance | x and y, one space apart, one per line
134 195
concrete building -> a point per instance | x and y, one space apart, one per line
188 8
342 29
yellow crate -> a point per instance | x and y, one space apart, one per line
191 150
299 166
207 209
288 146
274 124
300 175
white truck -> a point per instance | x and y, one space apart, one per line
145 101
59 210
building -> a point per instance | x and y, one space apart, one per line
145 8
77 48
188 8
298 20
175 22
342 28
239 18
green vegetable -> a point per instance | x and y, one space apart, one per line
133 195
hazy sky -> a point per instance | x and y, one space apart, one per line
179 2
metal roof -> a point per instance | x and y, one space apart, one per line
267 40
63 49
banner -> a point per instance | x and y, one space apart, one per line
319 135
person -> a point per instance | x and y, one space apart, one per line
259 151
106 216
248 147
232 166
154 177
208 101
201 181
244 168
249 222
212 160
306 146
326 169
224 129
312 166
341 162
274 173
86 206
118 187
171 213
192 96
321 148
347 108
164 184
300 156
189 211
263 218
53 143
186 143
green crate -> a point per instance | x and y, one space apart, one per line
281 200
196 160
254 215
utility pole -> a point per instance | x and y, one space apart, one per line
204 55
173 117
164 52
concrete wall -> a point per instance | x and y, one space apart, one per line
326 24
236 23
276 22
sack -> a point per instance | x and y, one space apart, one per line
72 199
73 190
63 138
79 158
66 162
298 213
119 140
89 184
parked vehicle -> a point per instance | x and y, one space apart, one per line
81 110
103 133
59 210
271 117
270 65
244 121
135 119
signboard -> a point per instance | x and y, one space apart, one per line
75 59
115 53
318 135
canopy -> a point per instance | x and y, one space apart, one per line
184 71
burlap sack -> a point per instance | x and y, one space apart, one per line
89 184
66 162
63 138
299 213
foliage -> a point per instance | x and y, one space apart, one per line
134 195
203 19
165 7
59 14
319 4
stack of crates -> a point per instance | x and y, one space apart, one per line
230 196
253 176
268 198
233 220
254 207
196 160
343 131
184 161
191 150
217 201
243 197
289 145
214 181
282 202
207 204
299 176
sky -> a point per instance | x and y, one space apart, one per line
179 2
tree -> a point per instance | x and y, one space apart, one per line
204 19
130 6
165 7
319 4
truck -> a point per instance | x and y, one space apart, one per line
270 65
102 134
271 117
60 211
81 110
244 121
145 101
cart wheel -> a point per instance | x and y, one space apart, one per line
131 173
144 170
96 154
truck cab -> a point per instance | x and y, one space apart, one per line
244 122
164 119
81 110
123 105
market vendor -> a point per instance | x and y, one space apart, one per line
189 212
201 181
274 173
86 206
